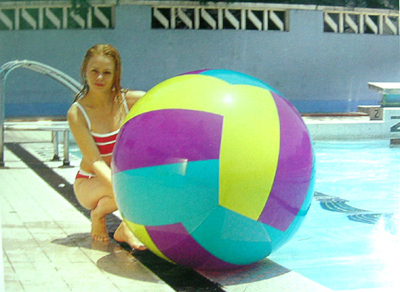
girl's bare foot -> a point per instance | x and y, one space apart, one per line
123 234
99 227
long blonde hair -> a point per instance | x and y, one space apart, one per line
109 51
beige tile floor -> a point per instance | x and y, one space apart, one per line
47 247
46 244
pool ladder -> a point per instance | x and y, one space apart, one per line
57 75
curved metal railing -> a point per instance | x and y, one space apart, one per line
53 73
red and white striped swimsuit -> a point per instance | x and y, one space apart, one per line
105 142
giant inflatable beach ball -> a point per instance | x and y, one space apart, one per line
213 169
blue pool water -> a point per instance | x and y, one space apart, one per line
349 239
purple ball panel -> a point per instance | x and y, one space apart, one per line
170 239
294 169
167 136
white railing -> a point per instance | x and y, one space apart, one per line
55 16
34 15
53 73
216 18
258 16
372 22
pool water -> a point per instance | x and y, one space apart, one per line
349 239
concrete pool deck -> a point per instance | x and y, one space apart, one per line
356 127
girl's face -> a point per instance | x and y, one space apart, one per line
100 72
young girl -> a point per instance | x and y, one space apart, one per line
95 119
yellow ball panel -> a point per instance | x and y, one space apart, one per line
245 165
142 234
192 92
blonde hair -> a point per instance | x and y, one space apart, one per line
109 51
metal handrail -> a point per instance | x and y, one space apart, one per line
8 67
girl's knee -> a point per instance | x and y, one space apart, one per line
90 195
87 204
106 205
107 201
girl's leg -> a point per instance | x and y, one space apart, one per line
93 195
123 234
106 205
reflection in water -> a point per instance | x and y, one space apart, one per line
386 247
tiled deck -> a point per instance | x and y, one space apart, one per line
46 240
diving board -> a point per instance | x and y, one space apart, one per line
390 92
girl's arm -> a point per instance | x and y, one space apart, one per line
132 96
87 145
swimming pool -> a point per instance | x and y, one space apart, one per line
349 239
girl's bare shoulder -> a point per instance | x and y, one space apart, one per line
132 96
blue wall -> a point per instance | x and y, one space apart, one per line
316 71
